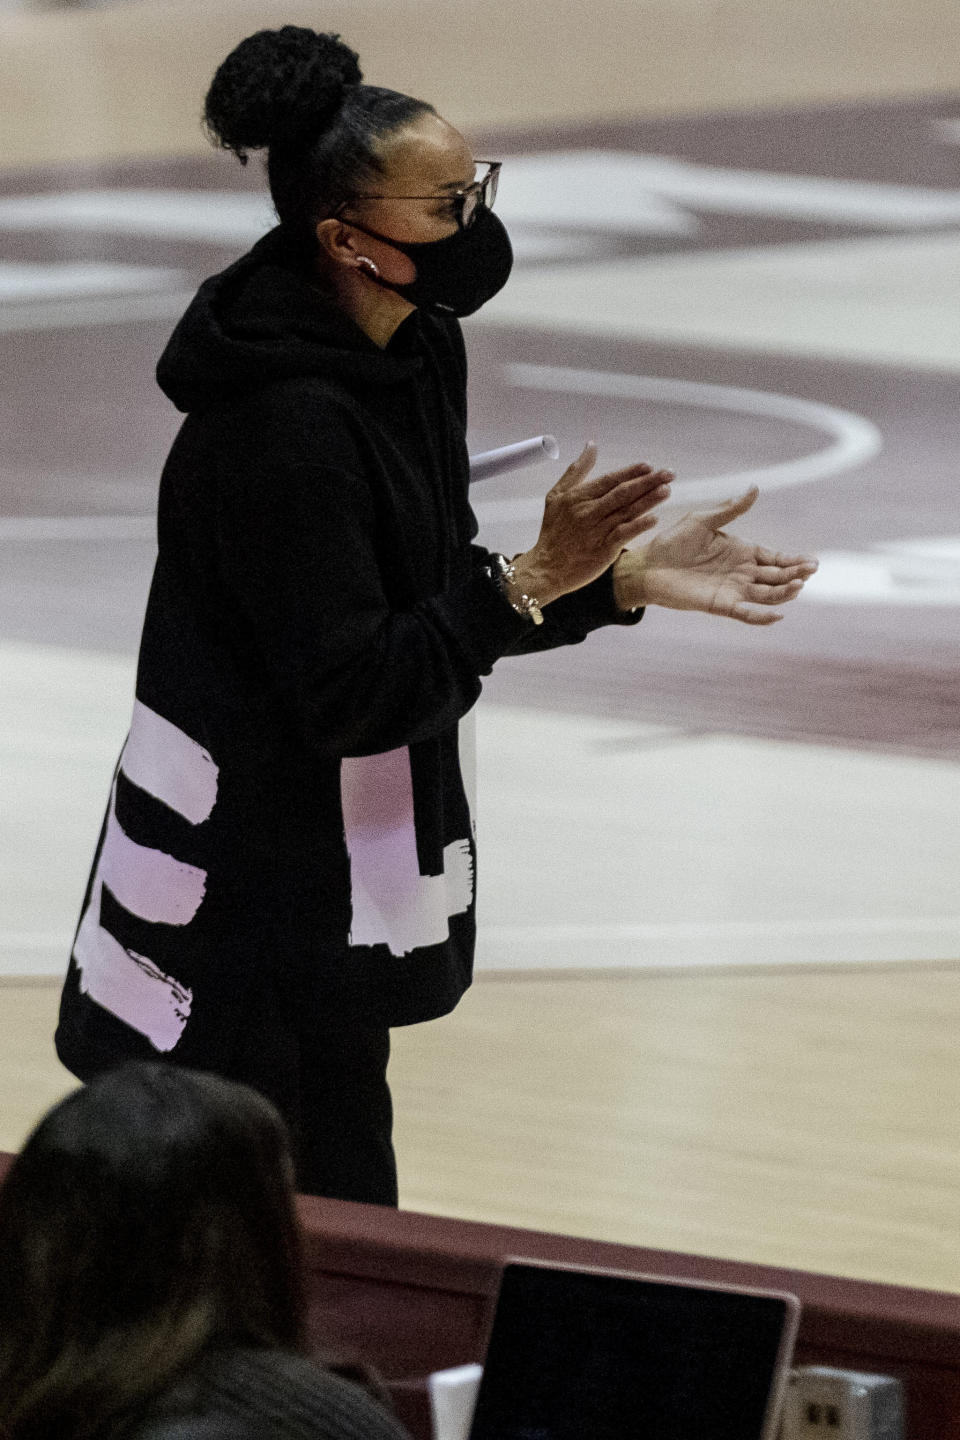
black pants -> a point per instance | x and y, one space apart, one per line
329 1083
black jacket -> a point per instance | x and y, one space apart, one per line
289 824
247 1394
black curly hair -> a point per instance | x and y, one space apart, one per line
298 94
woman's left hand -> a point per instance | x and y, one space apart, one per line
696 566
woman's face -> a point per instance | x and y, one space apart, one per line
428 159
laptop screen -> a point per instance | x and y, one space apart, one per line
586 1355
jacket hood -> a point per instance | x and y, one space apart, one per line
261 320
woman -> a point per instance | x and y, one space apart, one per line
151 1269
286 869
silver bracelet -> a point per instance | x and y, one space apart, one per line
525 605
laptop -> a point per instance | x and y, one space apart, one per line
580 1354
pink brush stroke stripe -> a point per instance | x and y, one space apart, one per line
393 904
129 985
161 759
149 883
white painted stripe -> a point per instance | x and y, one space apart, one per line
884 300
856 577
734 929
393 904
165 762
758 945
926 560
212 216
537 244
947 131
855 439
149 883
129 985
20 281
799 197
83 314
528 948
647 193
591 190
77 527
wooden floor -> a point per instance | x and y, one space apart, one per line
798 1118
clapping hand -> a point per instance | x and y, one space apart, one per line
695 565
586 523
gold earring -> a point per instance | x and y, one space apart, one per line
365 263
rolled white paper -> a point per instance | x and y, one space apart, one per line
513 457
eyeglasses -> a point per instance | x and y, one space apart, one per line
466 202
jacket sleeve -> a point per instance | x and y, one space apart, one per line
306 567
570 619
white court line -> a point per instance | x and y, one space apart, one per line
947 131
855 439
78 527
672 946
205 216
78 314
889 575
728 191
741 929
638 192
21 281
882 300
759 945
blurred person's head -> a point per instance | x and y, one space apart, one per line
376 191
148 1217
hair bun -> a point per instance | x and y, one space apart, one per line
278 87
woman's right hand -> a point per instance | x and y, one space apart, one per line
586 523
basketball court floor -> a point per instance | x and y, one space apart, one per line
719 974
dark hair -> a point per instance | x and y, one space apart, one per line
148 1217
299 94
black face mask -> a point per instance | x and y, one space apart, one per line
458 274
